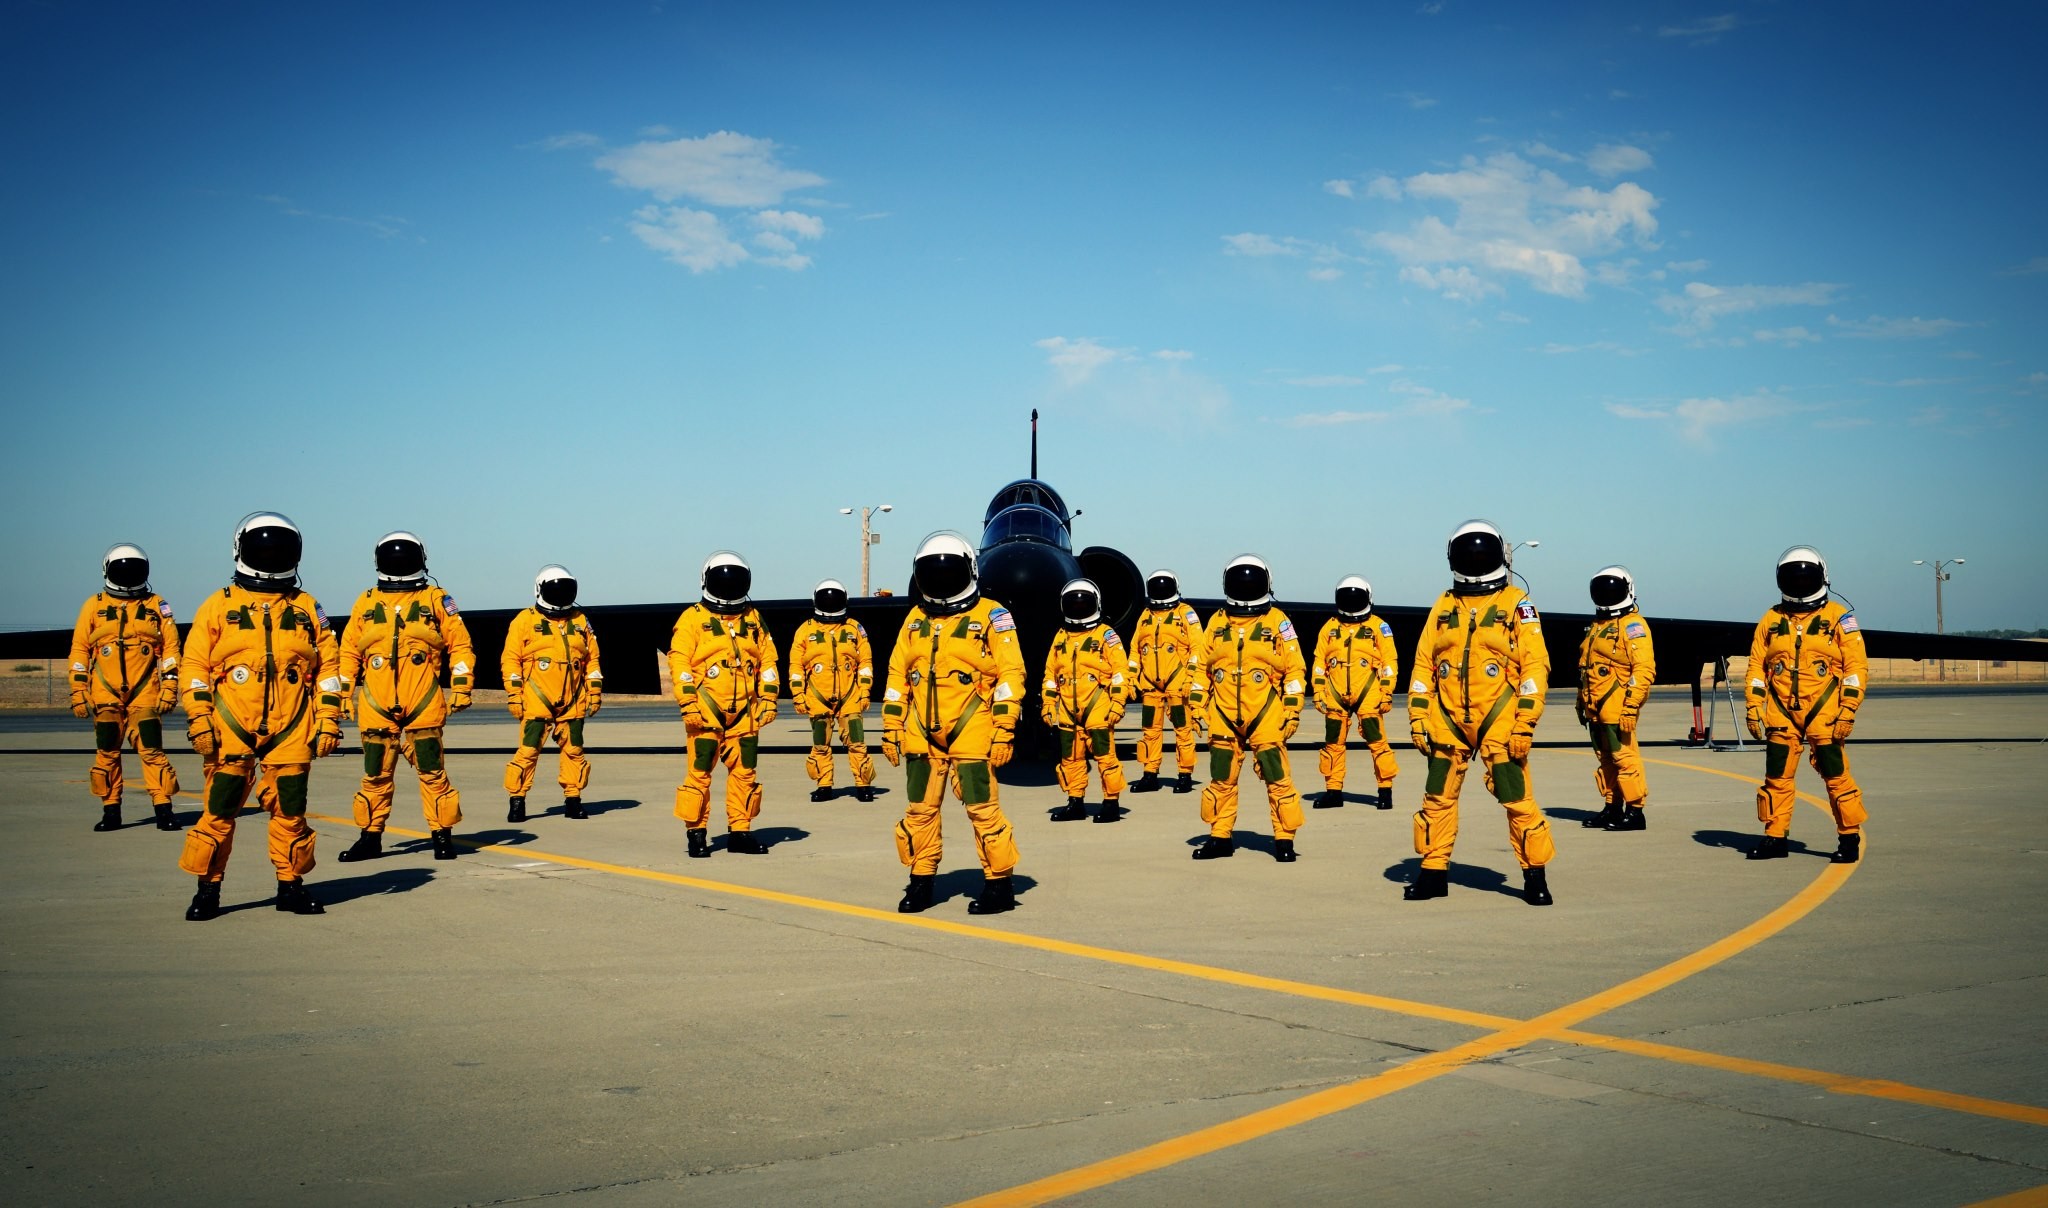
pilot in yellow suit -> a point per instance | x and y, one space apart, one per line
399 637
950 709
831 678
1253 661
553 684
1083 699
1353 676
124 676
262 688
1807 672
1617 666
1166 678
1480 673
722 663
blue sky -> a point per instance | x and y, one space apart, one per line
618 285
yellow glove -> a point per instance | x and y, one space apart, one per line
80 707
1002 749
892 747
800 700
199 732
458 700
1519 743
764 712
1419 735
593 691
348 700
167 696
1292 724
326 737
1843 725
515 697
1628 723
1755 717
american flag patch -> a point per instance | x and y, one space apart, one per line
448 603
1849 623
1286 631
1001 621
1636 630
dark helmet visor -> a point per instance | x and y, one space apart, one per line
1353 599
1477 555
1801 580
401 559
829 600
558 593
128 574
728 582
1080 605
1609 590
1246 583
1161 588
943 576
270 550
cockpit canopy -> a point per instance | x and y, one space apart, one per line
1027 510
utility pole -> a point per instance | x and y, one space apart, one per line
1940 576
868 539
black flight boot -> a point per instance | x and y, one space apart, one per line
515 810
165 819
1213 848
1604 820
1386 798
1631 819
292 898
444 843
917 896
821 793
744 843
1535 889
1849 852
1283 851
1429 883
1330 799
368 846
206 903
572 807
863 793
1148 783
1073 811
1184 783
1110 810
1770 847
996 897
700 844
110 819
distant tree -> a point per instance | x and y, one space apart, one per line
2004 633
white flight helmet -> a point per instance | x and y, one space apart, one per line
554 590
1803 576
1479 556
267 550
725 581
945 574
1248 584
1614 591
401 559
124 568
1354 598
828 600
1162 588
1080 603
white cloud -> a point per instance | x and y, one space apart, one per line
1323 419
2038 264
1615 159
1790 337
1704 31
1383 188
1326 380
1686 266
1700 420
1457 284
1877 327
1251 244
721 169
1325 273
1513 220
803 226
1427 400
1509 316
1417 100
1546 151
1341 188
569 141
1700 304
694 239
1077 360
1411 400
1620 350
1173 354
1383 369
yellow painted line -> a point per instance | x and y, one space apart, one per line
2035 1197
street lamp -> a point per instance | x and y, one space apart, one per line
1940 576
1519 544
867 538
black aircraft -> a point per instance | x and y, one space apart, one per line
1027 556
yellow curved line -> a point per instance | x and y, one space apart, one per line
2033 1197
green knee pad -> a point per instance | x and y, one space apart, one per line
373 758
224 795
576 732
291 794
750 751
1509 782
1439 776
531 731
1220 759
819 731
1333 729
856 731
426 754
106 736
1177 714
917 776
1099 742
1148 715
974 781
1369 728
703 753
1777 758
1272 765
1830 759
149 734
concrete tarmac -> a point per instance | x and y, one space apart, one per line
573 1009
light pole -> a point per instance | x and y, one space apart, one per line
1519 544
1940 576
867 538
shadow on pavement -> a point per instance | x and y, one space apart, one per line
594 808
1567 814
1464 876
966 883
335 891
501 837
1742 841
772 836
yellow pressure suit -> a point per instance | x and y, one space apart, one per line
831 678
553 682
124 676
1165 675
1354 677
1617 666
723 668
955 687
392 652
1082 700
1807 672
1480 673
1255 673
262 687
